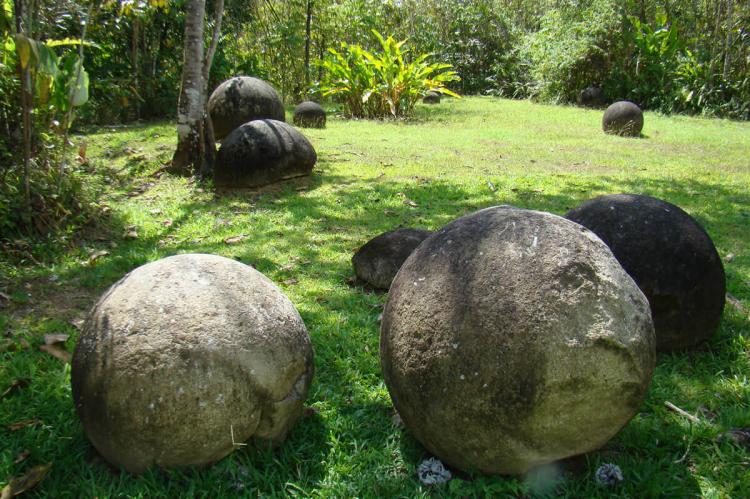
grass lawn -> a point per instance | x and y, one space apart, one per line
372 176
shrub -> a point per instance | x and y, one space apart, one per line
574 48
376 85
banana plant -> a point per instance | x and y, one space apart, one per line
383 83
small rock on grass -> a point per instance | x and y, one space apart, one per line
608 475
432 472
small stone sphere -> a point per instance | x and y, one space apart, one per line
623 118
591 97
377 262
309 114
242 99
187 357
431 97
512 338
670 257
262 152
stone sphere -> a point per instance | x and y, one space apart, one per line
623 118
186 357
378 261
431 97
513 338
309 114
262 152
242 99
670 257
591 97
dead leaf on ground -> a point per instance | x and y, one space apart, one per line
389 213
51 339
19 485
167 223
16 384
729 257
97 255
19 425
21 457
288 266
4 297
409 202
491 186
131 234
77 323
57 350
290 282
234 239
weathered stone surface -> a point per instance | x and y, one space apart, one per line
184 358
431 98
623 118
670 257
591 97
309 114
242 99
262 152
512 338
378 261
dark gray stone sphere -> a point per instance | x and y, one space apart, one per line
623 118
512 338
432 97
591 97
262 152
670 257
242 99
378 261
309 114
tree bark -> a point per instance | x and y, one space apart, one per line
189 157
728 44
209 142
308 25
27 103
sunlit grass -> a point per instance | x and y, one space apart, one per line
371 177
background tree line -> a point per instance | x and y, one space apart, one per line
690 56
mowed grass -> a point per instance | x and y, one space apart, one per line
454 158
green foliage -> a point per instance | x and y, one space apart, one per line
385 83
60 204
574 47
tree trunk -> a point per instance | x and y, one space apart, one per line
189 157
134 62
728 44
27 103
209 142
307 46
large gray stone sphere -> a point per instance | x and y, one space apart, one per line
623 118
262 152
309 114
670 257
513 338
186 357
242 99
377 262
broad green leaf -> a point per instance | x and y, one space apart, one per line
81 90
27 51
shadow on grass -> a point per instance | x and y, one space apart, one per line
344 328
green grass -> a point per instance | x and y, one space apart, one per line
453 159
